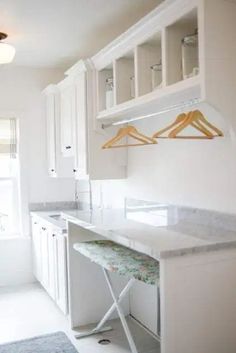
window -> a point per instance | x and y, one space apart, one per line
9 171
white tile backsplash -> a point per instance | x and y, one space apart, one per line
105 193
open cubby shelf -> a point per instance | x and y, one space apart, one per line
185 26
148 56
124 78
146 72
103 75
154 101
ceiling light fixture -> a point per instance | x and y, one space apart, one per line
7 51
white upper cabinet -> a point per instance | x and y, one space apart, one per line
90 160
151 70
57 165
75 138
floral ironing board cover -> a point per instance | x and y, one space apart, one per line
118 258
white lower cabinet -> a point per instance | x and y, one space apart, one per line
49 247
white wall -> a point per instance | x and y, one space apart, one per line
15 262
20 97
20 90
197 173
187 172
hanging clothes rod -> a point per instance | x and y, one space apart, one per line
185 104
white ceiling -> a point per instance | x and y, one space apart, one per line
56 33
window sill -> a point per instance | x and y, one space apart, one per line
13 237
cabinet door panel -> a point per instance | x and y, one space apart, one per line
36 250
51 133
44 253
81 151
61 270
51 264
67 118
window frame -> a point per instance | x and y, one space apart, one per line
16 184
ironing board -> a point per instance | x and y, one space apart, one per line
113 257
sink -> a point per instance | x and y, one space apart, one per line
57 220
57 217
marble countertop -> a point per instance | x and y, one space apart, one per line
160 231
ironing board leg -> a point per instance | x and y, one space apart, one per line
121 314
99 328
113 307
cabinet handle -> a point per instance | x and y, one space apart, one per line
68 147
43 228
52 170
35 223
53 235
74 170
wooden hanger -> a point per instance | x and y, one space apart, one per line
201 118
197 120
132 132
180 119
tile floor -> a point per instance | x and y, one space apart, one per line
28 311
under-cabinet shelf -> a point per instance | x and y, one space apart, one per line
154 101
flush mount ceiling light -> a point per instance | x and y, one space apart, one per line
7 51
